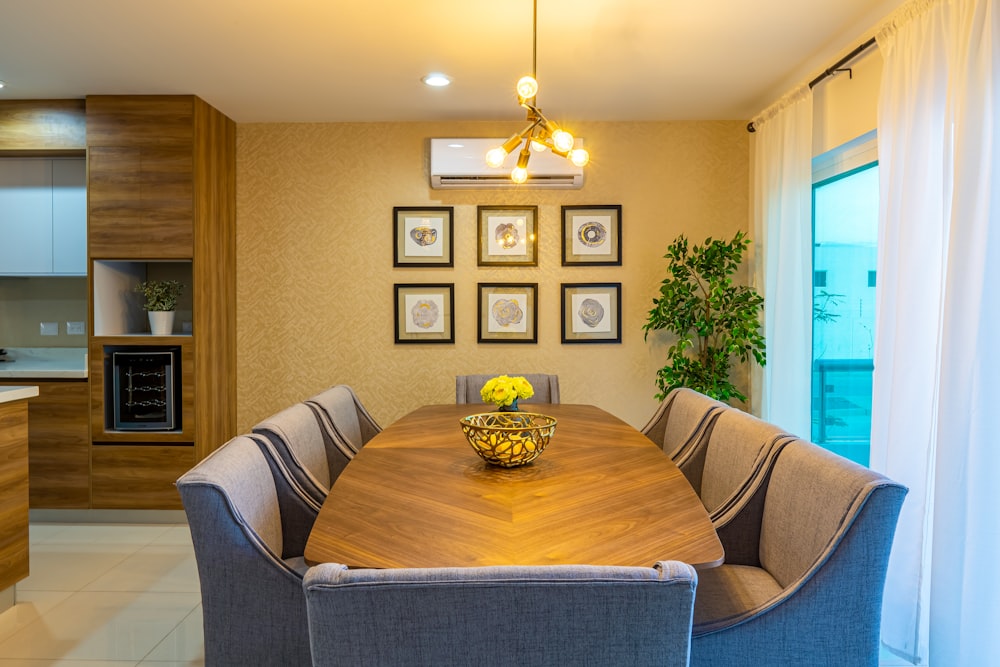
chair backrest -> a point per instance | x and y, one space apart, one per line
546 387
813 498
297 436
344 417
823 533
507 615
725 460
249 527
683 418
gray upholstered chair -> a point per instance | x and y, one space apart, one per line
314 459
805 567
723 462
467 387
683 418
343 417
249 526
494 616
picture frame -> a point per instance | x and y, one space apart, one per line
591 313
592 235
508 313
508 235
424 312
423 236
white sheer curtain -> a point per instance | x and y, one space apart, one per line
783 257
938 327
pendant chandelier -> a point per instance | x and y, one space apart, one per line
541 133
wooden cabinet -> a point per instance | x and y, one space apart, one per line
139 476
141 202
59 443
43 216
13 493
36 127
161 190
141 152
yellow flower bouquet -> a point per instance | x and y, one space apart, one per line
503 391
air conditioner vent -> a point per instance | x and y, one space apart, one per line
461 164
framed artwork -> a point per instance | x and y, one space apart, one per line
592 312
425 313
592 235
508 236
508 312
423 236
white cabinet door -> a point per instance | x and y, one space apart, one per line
69 216
25 215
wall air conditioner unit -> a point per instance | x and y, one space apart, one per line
461 164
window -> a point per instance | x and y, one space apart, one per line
845 226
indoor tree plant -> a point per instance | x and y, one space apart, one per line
714 320
161 301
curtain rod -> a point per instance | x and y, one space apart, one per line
832 69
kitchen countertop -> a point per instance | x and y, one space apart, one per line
8 394
44 362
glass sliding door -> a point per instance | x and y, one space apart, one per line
845 228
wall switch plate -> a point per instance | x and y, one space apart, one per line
49 328
75 328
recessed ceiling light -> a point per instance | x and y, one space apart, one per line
436 79
2 84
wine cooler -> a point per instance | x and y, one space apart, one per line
144 388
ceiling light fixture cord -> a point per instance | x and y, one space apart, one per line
534 39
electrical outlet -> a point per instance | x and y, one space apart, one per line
49 328
75 328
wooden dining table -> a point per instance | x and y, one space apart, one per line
418 495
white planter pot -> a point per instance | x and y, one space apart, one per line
161 322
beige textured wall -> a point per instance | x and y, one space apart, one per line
314 259
845 107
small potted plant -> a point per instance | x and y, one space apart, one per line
161 301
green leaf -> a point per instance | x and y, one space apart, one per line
714 321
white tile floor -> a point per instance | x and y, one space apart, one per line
103 595
114 595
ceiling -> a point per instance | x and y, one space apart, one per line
362 60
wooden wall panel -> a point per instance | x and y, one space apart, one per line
140 120
59 444
138 476
30 126
214 268
13 493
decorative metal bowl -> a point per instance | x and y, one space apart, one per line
508 439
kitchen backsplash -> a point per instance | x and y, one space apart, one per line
27 302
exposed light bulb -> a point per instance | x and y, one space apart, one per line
519 175
527 87
562 140
579 157
537 146
495 157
